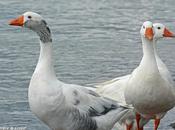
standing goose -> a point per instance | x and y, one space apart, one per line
59 105
148 89
115 88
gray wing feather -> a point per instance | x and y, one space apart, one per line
87 107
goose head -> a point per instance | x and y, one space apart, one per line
161 31
34 22
147 30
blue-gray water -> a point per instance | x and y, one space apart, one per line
94 40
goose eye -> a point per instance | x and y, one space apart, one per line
29 17
158 27
144 27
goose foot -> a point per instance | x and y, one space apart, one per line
156 123
128 127
138 117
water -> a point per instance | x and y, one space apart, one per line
94 40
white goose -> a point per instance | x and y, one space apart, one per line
148 89
64 106
115 88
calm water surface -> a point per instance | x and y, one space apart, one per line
94 40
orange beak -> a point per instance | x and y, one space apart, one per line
167 33
18 21
149 33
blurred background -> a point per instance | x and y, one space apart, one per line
94 41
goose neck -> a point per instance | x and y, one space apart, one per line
149 59
155 48
45 63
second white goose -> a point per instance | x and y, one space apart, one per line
115 88
147 89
